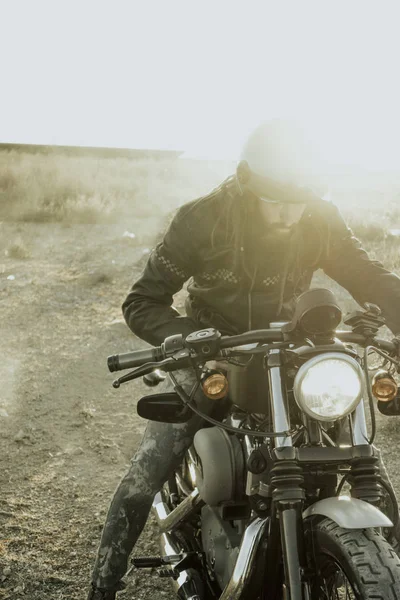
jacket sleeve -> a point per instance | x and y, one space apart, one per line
367 280
148 307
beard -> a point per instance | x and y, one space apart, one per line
278 234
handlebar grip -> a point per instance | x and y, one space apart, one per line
129 360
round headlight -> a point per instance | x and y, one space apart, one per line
329 386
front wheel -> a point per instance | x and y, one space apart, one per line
351 564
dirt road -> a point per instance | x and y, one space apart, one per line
66 435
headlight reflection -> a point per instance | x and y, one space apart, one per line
329 386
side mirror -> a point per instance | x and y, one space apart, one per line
391 408
166 408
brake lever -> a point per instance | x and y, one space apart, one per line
167 364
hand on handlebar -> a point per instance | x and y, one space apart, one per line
207 344
179 360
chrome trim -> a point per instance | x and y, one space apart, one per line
245 560
249 445
171 520
359 426
183 486
278 324
161 509
252 480
277 394
253 483
231 420
184 584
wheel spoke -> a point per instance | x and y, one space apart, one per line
335 572
335 585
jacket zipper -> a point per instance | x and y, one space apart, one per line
249 312
250 320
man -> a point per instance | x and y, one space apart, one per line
249 248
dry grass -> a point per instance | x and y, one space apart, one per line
371 213
63 188
42 188
17 250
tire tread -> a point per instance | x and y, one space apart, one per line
372 560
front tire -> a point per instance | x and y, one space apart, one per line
352 564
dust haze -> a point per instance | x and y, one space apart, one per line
75 234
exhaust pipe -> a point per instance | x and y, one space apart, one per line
188 586
245 560
171 520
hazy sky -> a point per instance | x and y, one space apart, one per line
197 75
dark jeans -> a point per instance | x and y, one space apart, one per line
160 453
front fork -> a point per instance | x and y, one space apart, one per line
287 483
288 496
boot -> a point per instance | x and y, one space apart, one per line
103 594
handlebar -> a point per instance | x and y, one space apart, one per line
130 360
357 338
252 337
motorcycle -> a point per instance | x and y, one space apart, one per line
282 498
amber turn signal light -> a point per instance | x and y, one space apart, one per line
215 385
384 386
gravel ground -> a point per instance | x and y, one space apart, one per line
67 435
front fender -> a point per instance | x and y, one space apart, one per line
349 513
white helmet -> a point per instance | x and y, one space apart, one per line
278 163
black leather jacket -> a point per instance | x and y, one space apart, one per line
238 284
